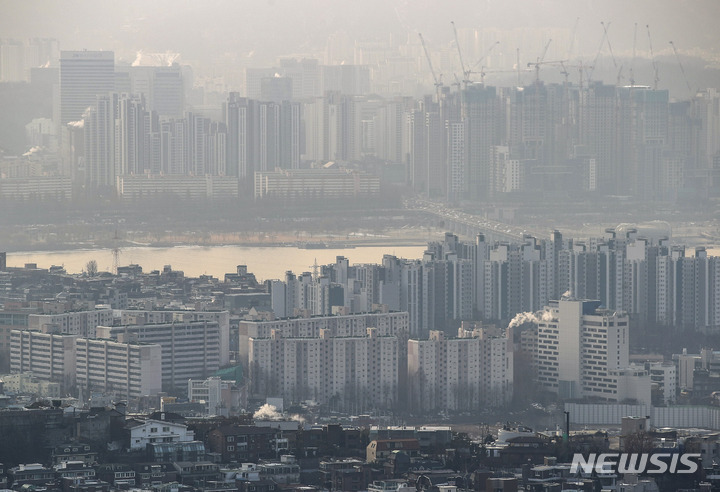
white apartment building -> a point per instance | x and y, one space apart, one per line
354 325
190 349
583 351
126 370
49 357
347 372
144 317
81 323
461 373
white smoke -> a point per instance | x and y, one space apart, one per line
522 318
267 412
32 151
76 124
166 59
566 295
528 317
270 412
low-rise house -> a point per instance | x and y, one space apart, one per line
176 451
30 474
257 486
380 449
83 485
240 443
73 452
153 474
140 433
117 474
202 472
285 472
74 470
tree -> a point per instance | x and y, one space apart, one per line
91 268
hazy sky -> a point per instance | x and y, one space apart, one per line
267 28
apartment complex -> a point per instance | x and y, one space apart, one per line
353 373
222 318
354 325
469 372
49 357
124 370
190 349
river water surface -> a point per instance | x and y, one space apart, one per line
265 262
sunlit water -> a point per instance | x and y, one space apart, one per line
265 262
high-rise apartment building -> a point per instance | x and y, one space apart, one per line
583 352
355 373
469 372
99 133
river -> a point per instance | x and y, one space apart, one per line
265 262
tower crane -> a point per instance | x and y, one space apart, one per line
537 67
484 72
681 68
632 63
466 74
607 39
572 37
471 70
580 66
540 62
436 80
597 55
656 78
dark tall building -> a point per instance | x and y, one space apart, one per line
84 75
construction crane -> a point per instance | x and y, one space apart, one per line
572 37
656 78
436 80
472 70
466 74
580 66
540 62
681 68
537 67
597 55
484 72
607 39
632 63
